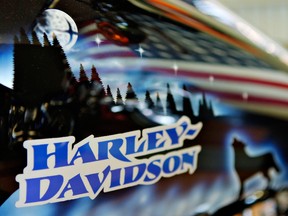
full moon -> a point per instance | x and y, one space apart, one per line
57 22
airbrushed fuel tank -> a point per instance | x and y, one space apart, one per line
140 107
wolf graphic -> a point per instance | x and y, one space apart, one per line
246 166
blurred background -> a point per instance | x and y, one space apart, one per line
269 16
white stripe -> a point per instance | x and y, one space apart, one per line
102 49
256 89
233 71
88 28
254 73
272 110
234 87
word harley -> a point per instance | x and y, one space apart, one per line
59 170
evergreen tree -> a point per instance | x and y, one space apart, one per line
170 102
109 95
56 42
35 39
130 94
119 100
205 110
37 63
61 54
97 82
211 111
148 101
158 106
202 107
187 105
46 40
95 76
82 75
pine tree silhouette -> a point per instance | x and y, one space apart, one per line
35 39
95 75
109 93
170 102
46 41
97 82
119 100
44 64
56 42
82 75
211 110
148 101
158 106
187 105
130 94
131 99
62 54
205 110
109 96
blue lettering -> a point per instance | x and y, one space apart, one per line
174 136
114 149
41 155
170 166
188 160
34 188
153 169
130 145
76 185
130 176
85 153
115 177
154 138
114 166
94 180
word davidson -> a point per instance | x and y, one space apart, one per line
58 170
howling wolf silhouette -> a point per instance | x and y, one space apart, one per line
246 166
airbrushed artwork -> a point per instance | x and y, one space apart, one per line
140 107
108 148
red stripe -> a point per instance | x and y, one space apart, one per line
113 54
206 75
